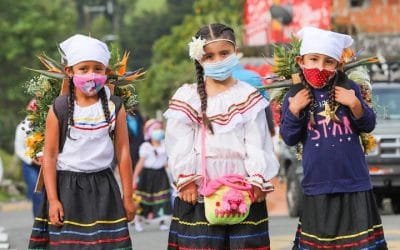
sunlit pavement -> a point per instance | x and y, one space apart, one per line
16 218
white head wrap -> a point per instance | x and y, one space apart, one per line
79 48
324 42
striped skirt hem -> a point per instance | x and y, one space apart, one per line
190 229
94 217
340 221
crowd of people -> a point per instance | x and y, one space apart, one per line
205 171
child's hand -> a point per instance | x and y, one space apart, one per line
56 213
189 193
346 97
130 208
259 195
298 102
135 183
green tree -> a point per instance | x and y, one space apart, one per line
27 28
170 64
141 31
31 27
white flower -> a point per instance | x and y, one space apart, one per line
196 48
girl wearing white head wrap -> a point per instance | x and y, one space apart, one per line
326 114
82 195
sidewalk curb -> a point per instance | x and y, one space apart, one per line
15 206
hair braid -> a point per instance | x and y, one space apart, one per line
106 110
201 90
71 107
71 102
331 100
312 104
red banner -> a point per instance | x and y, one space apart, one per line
260 28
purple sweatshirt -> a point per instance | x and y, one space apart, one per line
333 158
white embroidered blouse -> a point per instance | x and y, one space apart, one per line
241 142
91 148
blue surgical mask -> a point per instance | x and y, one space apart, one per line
158 135
221 70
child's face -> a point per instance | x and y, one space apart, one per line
217 51
317 61
87 67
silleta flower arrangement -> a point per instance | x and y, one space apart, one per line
196 48
53 81
286 74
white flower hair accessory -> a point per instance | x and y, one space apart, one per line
196 48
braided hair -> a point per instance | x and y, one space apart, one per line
104 103
331 99
71 107
209 33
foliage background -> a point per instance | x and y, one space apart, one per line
156 32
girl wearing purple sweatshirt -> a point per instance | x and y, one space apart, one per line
326 114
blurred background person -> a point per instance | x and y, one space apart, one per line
30 167
135 122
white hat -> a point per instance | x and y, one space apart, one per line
324 42
79 48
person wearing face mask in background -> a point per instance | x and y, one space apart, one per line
218 126
150 178
326 114
83 206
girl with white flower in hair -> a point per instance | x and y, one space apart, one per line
217 132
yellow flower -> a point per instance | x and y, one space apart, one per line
368 142
33 139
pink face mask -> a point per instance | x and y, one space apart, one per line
90 84
318 78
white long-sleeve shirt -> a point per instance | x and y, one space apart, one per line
241 143
20 141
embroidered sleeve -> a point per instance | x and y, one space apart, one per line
179 144
260 162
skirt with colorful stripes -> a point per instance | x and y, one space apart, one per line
94 216
154 189
340 221
190 230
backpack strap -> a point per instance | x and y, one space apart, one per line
117 102
60 107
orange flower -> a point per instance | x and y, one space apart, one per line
347 55
122 64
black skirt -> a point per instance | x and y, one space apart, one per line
190 229
154 189
340 221
94 216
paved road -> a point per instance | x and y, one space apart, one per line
17 224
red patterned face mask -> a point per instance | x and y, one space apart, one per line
318 78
